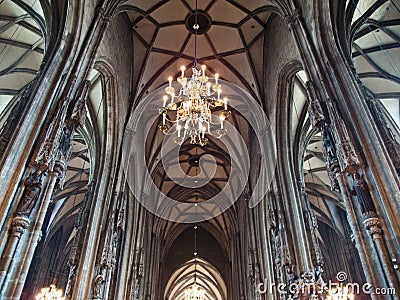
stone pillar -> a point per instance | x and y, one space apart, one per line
326 64
374 227
19 224
338 182
34 237
48 171
76 249
371 266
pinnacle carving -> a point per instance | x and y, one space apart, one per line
314 106
346 153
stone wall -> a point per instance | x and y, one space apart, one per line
280 49
116 49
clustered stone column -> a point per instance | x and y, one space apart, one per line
344 168
47 173
48 167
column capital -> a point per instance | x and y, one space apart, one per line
374 226
19 224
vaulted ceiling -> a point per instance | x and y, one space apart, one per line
374 32
230 40
22 46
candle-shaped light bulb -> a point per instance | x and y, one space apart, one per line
226 103
222 118
216 78
183 71
179 130
163 119
170 81
172 97
165 98
204 131
208 88
219 94
203 69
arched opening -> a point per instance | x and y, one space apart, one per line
209 269
197 272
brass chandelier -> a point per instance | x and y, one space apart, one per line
50 293
197 109
340 293
194 293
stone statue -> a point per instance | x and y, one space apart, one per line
361 191
65 142
33 187
98 284
290 274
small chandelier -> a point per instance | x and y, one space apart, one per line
50 293
194 104
194 293
340 293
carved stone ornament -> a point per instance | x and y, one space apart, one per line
293 17
331 160
98 284
19 224
314 106
277 245
347 156
374 226
45 155
290 273
69 289
79 114
65 145
121 218
60 169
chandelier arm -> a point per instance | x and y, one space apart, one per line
174 121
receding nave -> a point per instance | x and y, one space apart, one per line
287 186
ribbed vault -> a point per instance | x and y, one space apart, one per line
198 271
164 41
374 36
22 47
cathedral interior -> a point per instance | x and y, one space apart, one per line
273 172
